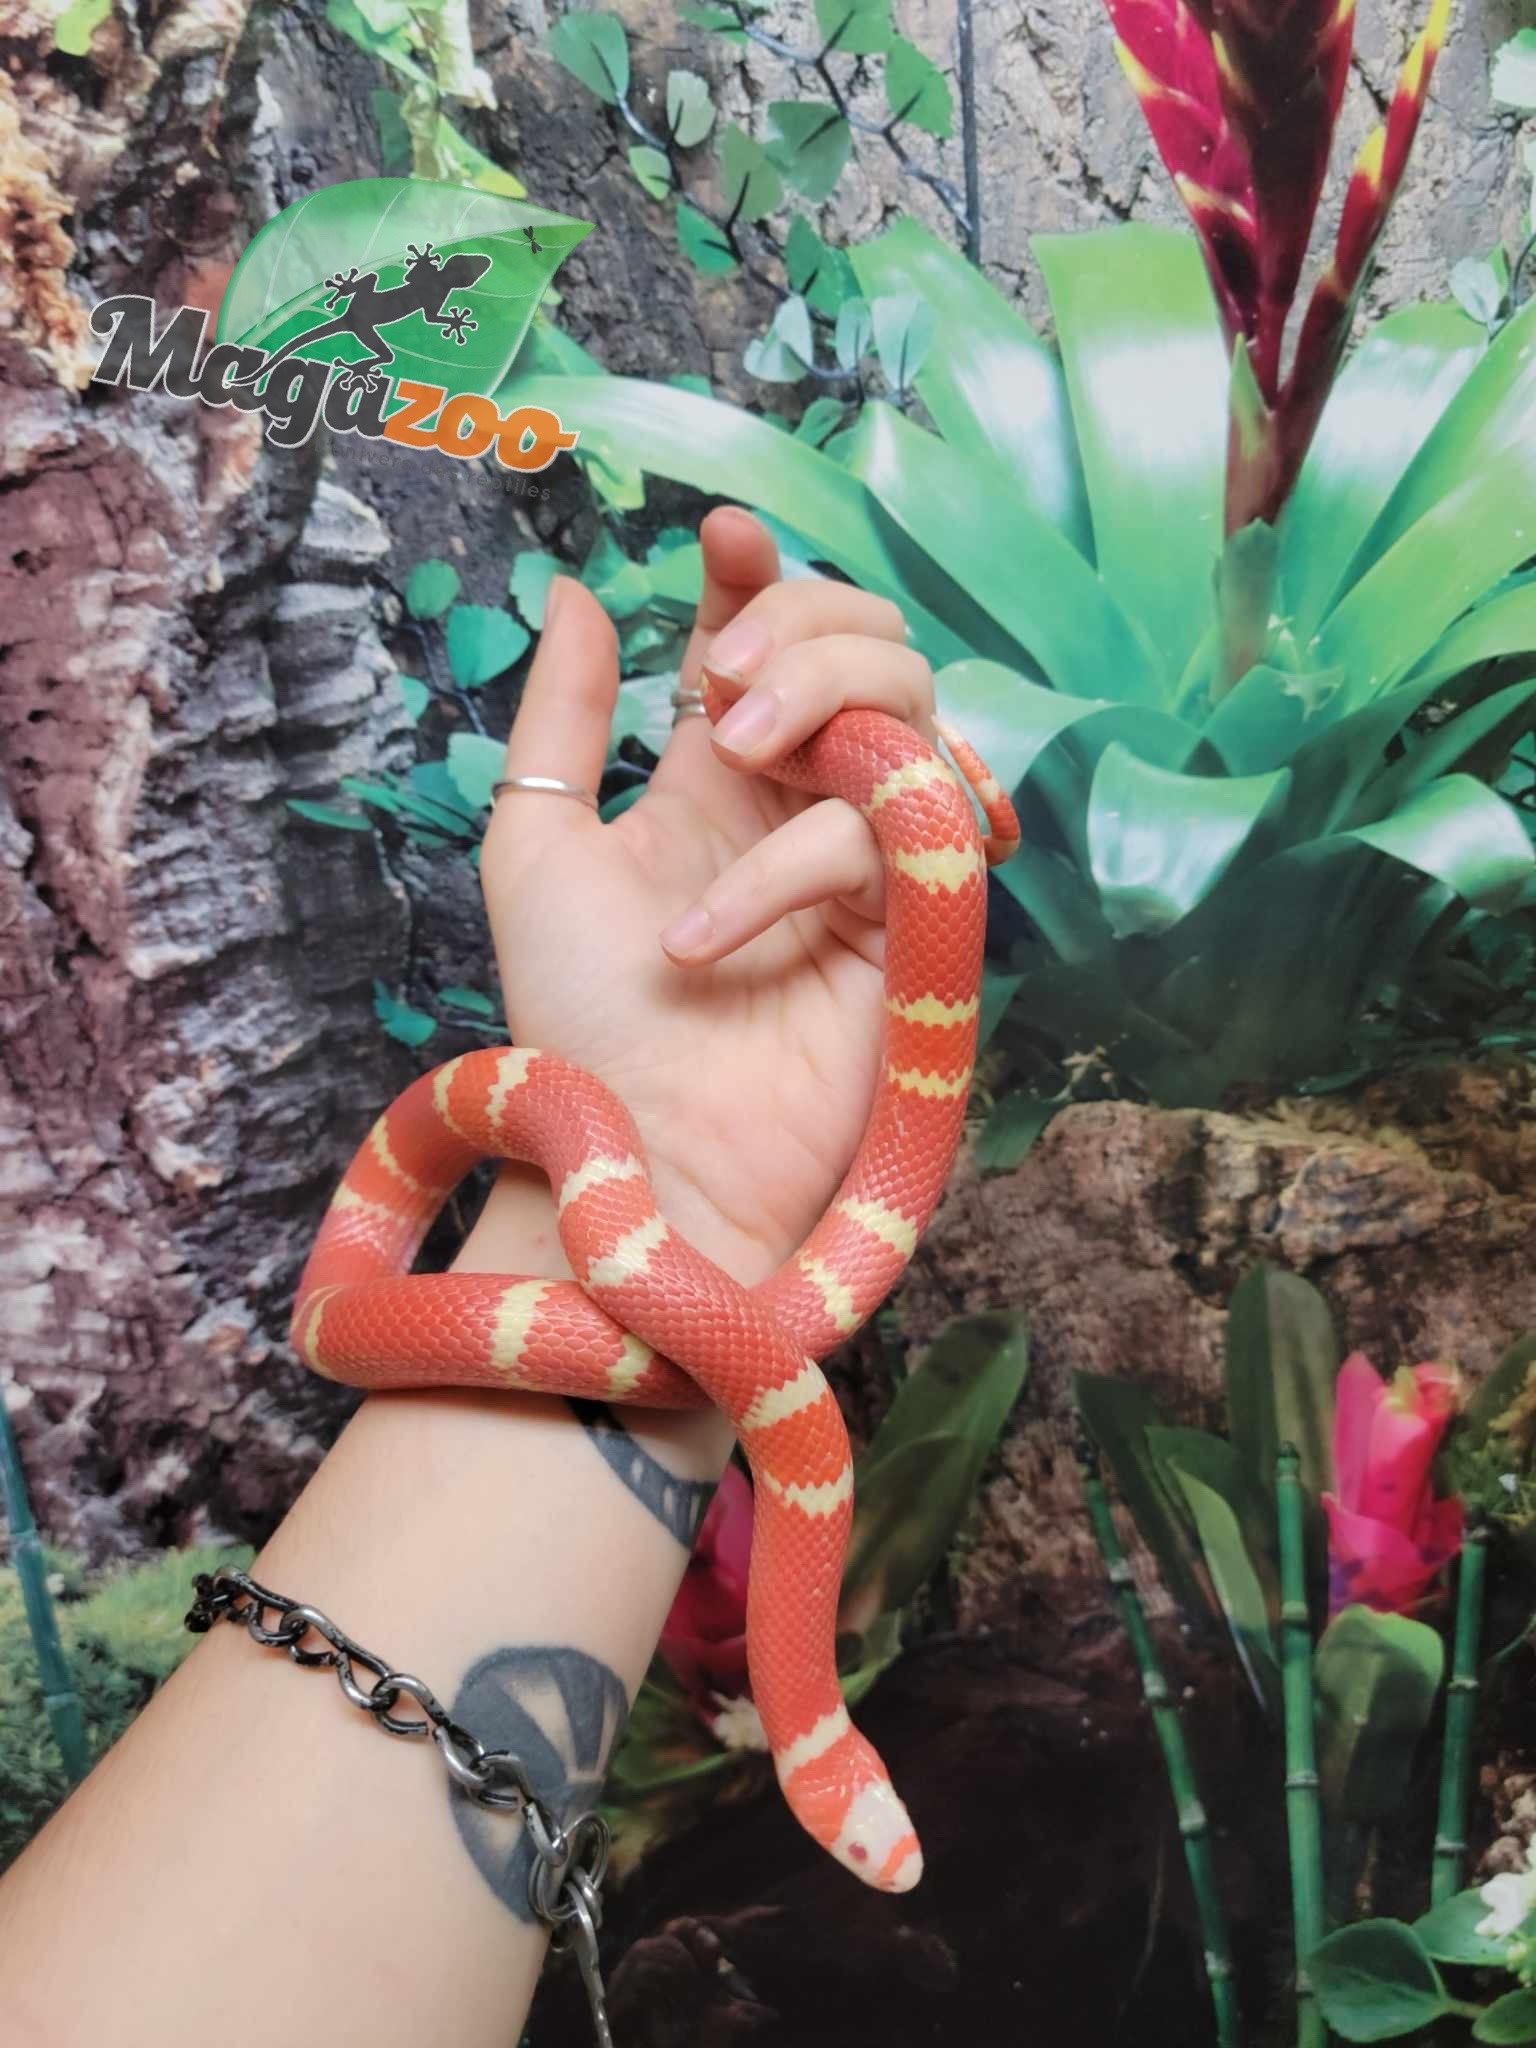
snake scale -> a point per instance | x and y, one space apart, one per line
650 1320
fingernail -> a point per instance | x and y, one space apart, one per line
749 723
689 933
739 649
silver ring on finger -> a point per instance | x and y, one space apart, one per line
687 703
544 785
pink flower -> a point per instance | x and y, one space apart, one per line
1387 1534
705 1639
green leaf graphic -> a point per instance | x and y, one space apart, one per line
279 292
483 641
595 49
430 588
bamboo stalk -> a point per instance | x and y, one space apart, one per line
1303 1814
1460 1713
1194 1826
61 1702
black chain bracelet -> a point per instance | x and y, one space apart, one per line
565 1880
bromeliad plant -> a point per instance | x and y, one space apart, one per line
1252 643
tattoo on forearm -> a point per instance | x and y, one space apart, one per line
562 1712
678 1504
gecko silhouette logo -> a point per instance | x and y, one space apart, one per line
386 307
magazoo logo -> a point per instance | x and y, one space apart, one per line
388 307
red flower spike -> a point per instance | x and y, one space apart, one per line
705 1637
1388 1537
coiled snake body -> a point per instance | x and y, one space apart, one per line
648 1319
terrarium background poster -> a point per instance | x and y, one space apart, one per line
1172 366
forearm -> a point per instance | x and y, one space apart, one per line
252 1814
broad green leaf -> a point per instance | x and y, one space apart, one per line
1449 1932
1510 2018
621 586
1465 544
1268 714
751 184
1488 428
677 578
859 28
414 694
705 245
394 48
73 29
854 334
278 292
1238 1590
430 588
916 90
916 1480
1282 1360
528 584
989 382
1387 398
1012 1128
329 814
474 763
410 1026
652 170
690 110
1477 741
809 141
471 999
1502 625
1374 1981
483 641
1159 843
822 275
1153 442
595 49
1375 1678
1463 835
958 509
1119 1416
1513 79
719 449
904 328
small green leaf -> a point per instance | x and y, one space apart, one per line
1513 80
822 275
474 763
643 712
785 352
1012 1128
329 814
1510 2018
916 90
1375 1980
1480 284
1119 1416
430 588
702 242
73 29
1282 1359
595 49
1449 1932
855 28
820 420
751 184
904 327
853 334
411 1027
1239 1590
652 170
690 110
469 999
809 141
528 585
483 641
414 694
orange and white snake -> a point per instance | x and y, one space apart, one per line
648 1319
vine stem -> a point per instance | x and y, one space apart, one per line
61 1702
1303 1815
1194 1825
1460 1713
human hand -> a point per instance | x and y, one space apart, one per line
715 953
